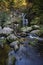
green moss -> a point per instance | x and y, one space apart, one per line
35 21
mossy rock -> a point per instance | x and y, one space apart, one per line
35 27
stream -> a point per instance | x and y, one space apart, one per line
27 54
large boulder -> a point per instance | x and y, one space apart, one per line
7 30
12 37
26 29
35 31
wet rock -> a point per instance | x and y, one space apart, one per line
15 45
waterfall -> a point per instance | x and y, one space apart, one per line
25 21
